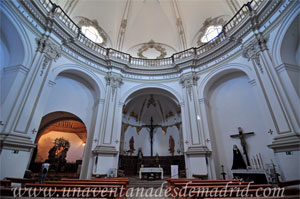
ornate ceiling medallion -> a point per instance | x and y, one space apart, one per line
151 44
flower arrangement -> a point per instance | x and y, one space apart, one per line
62 142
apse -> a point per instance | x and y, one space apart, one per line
146 109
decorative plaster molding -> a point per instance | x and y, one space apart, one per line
253 48
152 44
203 101
283 143
51 83
16 68
287 67
114 81
15 142
109 150
198 150
252 82
188 81
52 51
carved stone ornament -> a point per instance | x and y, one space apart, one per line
53 51
114 81
188 81
152 44
253 49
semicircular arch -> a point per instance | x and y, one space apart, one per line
216 74
169 92
82 72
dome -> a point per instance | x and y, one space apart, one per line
150 28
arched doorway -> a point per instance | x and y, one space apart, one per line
61 141
151 126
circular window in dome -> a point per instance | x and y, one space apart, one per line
211 33
92 33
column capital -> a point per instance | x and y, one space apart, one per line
114 80
189 79
52 50
203 101
252 49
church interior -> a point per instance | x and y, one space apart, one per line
135 93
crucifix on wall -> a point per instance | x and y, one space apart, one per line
242 137
151 127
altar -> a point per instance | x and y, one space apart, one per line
151 171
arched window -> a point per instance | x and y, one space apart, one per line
92 33
211 33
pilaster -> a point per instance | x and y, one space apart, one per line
105 153
23 120
283 117
196 151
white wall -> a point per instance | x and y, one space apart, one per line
288 165
71 94
20 160
233 104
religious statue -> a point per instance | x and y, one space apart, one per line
58 153
140 155
242 137
171 145
238 161
131 146
52 154
62 159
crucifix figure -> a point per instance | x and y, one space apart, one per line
242 137
151 127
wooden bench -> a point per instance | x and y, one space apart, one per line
98 180
22 181
5 183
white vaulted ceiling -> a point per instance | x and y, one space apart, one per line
172 24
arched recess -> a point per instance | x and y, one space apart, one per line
165 90
77 91
162 108
82 72
289 54
57 125
15 57
231 103
285 52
